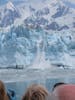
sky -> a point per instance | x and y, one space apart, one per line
5 1
70 3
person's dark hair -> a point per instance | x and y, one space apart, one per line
58 84
35 92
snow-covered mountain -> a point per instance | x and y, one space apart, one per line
9 14
46 13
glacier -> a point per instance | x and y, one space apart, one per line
24 46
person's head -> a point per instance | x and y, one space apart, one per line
55 88
65 92
35 92
58 84
3 95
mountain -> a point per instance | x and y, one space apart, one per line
45 13
9 14
61 11
53 26
51 11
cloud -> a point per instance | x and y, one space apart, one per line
70 3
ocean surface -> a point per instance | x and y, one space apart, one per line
19 80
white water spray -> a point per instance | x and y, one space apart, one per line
40 62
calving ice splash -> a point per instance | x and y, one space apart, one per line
36 36
40 61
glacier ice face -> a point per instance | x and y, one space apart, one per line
24 46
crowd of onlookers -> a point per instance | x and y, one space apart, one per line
60 91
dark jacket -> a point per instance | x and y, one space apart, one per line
11 94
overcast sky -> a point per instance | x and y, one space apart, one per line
70 3
5 1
